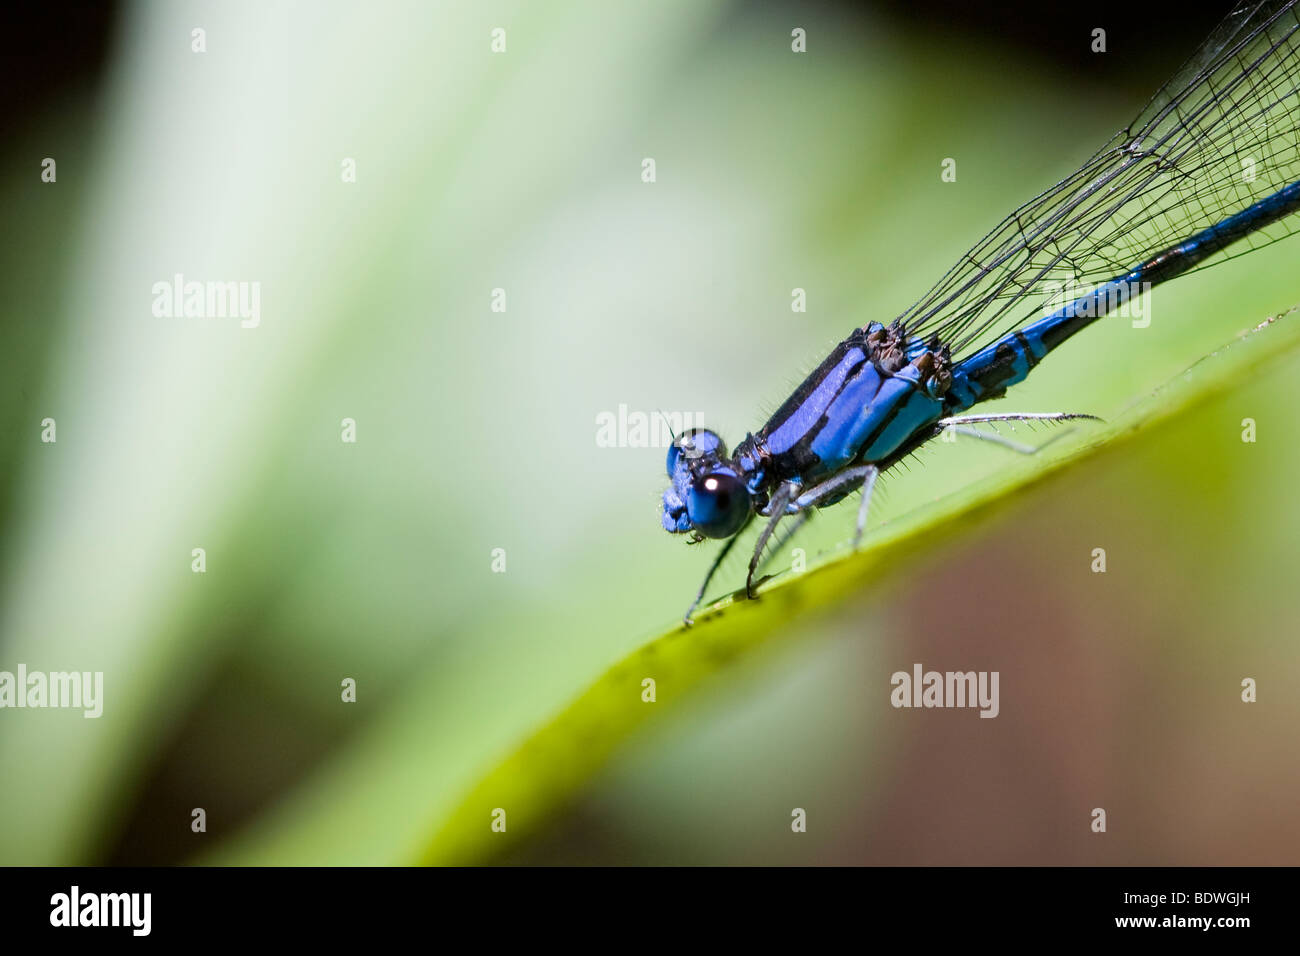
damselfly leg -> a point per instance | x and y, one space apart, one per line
960 425
868 485
840 485
717 562
800 519
802 508
1016 417
835 487
777 510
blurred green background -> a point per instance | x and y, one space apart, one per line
476 430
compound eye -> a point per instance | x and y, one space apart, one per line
718 504
695 443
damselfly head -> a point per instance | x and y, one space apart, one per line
707 494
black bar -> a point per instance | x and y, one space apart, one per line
924 905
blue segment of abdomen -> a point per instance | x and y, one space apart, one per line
1010 359
993 369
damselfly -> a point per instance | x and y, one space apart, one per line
1211 162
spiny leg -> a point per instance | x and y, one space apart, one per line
868 485
1015 417
1004 441
958 425
687 620
837 483
776 508
801 518
866 474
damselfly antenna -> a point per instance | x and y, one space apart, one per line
668 422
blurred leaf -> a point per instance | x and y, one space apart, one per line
557 760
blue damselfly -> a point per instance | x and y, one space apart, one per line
1208 170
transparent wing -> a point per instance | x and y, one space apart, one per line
1222 134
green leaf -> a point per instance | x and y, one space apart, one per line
555 762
